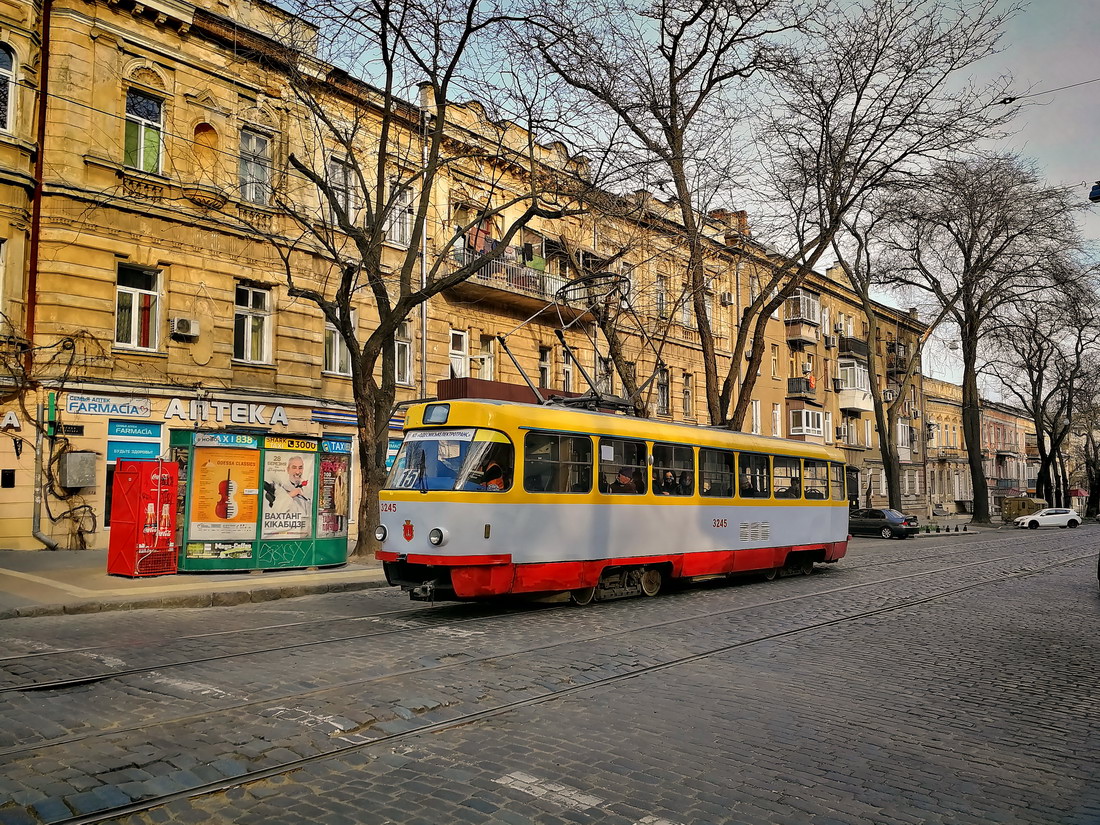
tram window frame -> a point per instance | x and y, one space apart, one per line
615 459
720 481
677 459
758 475
793 478
815 486
561 473
837 482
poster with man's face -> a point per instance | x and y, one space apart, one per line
289 495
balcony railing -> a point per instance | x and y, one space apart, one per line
512 276
800 387
853 346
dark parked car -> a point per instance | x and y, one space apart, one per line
889 524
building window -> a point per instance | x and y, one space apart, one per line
337 355
662 296
566 373
252 324
7 89
459 355
867 432
662 391
605 380
803 306
546 366
255 167
775 360
754 407
829 431
486 359
402 362
137 306
806 422
686 308
853 375
144 128
399 220
340 183
689 395
777 420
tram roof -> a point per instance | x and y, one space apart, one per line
514 415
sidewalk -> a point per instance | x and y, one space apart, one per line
46 582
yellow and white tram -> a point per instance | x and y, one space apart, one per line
489 498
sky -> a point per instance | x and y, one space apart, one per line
1048 45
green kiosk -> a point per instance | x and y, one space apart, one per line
260 502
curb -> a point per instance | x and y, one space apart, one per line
220 599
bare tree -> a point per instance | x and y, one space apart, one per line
366 226
980 234
1044 351
876 94
662 76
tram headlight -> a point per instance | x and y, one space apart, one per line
380 532
437 537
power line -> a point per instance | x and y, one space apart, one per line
1007 100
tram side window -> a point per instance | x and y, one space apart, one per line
716 472
554 463
817 479
754 480
788 477
488 464
836 481
673 470
622 466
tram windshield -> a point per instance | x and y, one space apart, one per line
459 459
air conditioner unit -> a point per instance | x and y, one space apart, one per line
842 432
916 413
748 350
807 368
830 342
726 299
889 395
184 327
838 327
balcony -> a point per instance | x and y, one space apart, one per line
855 401
801 331
896 364
853 346
801 388
509 279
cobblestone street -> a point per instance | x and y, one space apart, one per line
940 679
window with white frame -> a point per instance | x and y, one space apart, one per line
777 419
566 373
775 360
337 356
252 324
144 131
829 431
686 307
137 308
803 306
399 219
754 409
867 432
7 89
806 422
341 183
688 395
662 391
662 296
605 379
486 368
853 375
459 354
255 167
402 361
546 366
903 434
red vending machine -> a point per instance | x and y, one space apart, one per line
143 519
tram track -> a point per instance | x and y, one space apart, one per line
396 615
552 695
475 660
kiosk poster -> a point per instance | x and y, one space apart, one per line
332 511
224 487
288 495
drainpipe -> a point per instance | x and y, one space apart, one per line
423 286
36 513
36 198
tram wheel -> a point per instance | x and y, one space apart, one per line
805 565
771 574
651 581
582 596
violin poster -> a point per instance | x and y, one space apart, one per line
224 494
290 494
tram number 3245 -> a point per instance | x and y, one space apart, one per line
720 522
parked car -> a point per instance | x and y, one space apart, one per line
1050 517
889 524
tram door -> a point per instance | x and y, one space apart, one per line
851 477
